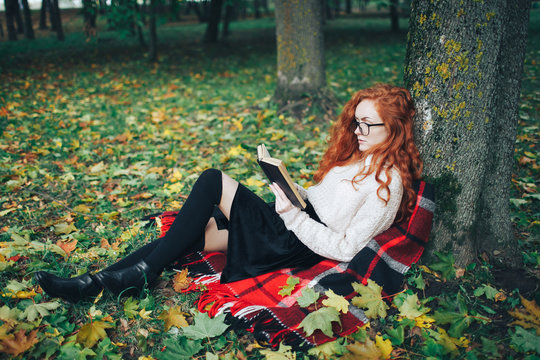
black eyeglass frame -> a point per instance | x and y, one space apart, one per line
358 124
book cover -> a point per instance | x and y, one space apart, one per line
276 171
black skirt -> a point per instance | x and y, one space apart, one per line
259 242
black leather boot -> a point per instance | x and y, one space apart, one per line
72 289
127 281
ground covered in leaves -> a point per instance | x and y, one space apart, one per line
93 138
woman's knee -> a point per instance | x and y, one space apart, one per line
210 180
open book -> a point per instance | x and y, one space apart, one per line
276 172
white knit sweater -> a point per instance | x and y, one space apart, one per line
352 216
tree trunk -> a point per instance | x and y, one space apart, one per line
55 10
51 15
463 67
43 14
394 15
1 29
28 27
10 19
256 6
212 29
300 50
152 29
18 18
348 6
229 11
90 13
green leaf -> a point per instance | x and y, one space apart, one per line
309 296
106 350
336 301
320 320
487 290
205 327
283 353
328 350
370 299
445 266
526 341
72 351
32 311
411 307
489 346
131 307
288 289
179 348
396 335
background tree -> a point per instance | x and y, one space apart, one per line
28 27
300 51
212 29
394 15
463 67
10 5
57 20
152 33
43 14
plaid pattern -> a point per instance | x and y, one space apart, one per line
254 304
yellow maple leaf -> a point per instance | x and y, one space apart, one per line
336 301
92 332
365 351
384 345
528 316
18 343
145 314
424 321
181 281
173 317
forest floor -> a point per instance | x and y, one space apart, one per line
94 137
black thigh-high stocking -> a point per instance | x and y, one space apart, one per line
187 231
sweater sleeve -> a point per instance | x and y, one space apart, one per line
373 217
301 191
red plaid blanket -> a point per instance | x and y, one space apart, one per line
254 304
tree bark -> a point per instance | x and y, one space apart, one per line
28 27
10 19
43 14
212 29
152 29
463 67
300 50
90 14
18 18
229 12
394 15
55 10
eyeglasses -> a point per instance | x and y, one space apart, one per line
363 126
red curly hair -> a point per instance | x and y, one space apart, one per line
395 107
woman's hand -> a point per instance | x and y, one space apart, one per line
283 204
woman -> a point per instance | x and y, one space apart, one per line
364 184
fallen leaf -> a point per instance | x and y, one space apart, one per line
67 246
320 320
92 332
19 342
370 299
181 281
173 317
364 351
336 301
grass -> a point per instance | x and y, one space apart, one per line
94 138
